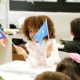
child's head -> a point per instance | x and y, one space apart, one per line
49 75
32 25
70 67
75 27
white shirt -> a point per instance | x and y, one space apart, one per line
37 54
54 58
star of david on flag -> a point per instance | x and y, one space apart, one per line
43 32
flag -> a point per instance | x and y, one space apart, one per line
2 38
2 35
43 32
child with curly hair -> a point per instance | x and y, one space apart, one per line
38 55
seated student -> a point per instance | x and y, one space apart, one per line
49 75
73 46
70 66
47 52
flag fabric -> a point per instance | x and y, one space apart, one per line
2 35
2 38
43 32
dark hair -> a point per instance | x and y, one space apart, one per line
75 27
69 67
37 22
49 75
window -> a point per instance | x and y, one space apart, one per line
75 1
45 5
37 0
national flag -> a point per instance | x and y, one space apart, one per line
43 32
2 35
2 38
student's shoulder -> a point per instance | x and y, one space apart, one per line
72 43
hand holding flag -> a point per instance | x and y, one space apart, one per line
43 32
3 38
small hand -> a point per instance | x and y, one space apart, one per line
49 48
21 51
32 46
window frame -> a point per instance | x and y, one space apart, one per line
59 6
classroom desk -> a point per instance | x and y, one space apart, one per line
17 70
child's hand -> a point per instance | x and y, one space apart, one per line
49 48
36 50
33 47
21 51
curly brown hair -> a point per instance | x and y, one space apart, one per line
49 75
37 22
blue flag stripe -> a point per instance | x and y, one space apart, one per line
2 35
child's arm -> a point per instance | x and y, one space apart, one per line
36 51
49 48
21 51
52 52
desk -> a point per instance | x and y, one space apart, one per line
5 52
17 70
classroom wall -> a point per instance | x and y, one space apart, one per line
4 8
60 19
5 51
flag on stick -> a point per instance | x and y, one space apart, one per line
43 32
2 38
2 35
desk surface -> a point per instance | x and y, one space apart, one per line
17 70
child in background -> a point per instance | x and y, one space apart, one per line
49 75
38 55
70 66
73 46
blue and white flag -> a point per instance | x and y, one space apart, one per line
43 32
2 38
2 35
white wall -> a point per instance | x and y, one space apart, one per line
4 20
5 52
61 20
